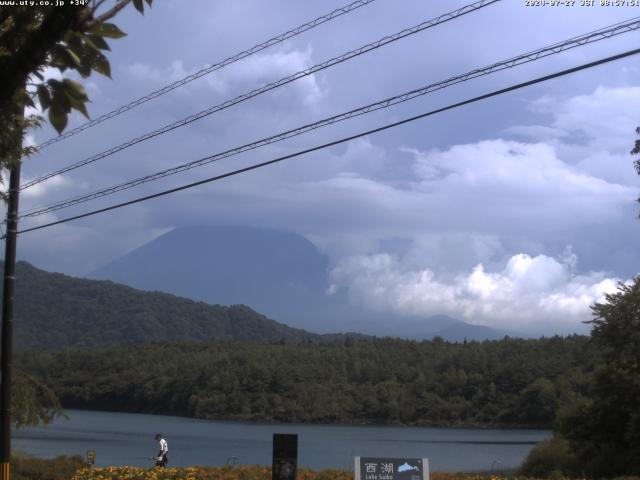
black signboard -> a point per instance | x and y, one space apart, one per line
285 456
383 468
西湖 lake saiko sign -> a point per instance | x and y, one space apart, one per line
382 468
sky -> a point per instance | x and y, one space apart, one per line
518 212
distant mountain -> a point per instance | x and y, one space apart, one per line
54 310
462 331
277 273
450 329
417 328
280 274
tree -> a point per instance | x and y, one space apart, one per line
34 38
35 402
538 402
545 458
604 430
636 151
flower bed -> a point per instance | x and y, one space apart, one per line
233 473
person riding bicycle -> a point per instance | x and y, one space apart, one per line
162 458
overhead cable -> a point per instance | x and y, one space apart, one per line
211 68
528 57
342 140
271 86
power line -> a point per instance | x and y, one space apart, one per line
271 86
556 48
607 32
211 68
344 139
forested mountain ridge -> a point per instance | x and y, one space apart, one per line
55 310
507 383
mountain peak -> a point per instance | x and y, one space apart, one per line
280 274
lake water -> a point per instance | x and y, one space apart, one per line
127 439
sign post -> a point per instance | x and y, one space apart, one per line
383 468
285 456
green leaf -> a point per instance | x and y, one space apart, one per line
58 57
44 97
75 60
63 58
58 118
108 30
90 44
77 46
101 65
87 59
74 41
139 5
60 100
76 96
85 69
74 89
79 105
97 41
149 2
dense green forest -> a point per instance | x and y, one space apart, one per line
511 382
54 310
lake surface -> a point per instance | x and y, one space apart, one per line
127 439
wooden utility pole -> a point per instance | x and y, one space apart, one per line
7 320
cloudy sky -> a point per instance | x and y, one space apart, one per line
517 212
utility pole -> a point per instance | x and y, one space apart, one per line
7 319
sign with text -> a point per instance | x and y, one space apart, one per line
383 468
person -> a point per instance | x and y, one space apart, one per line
163 455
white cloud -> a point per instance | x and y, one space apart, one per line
42 189
459 202
493 188
527 293
269 67
144 72
594 131
506 187
606 116
597 126
247 74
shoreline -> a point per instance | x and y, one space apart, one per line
455 426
